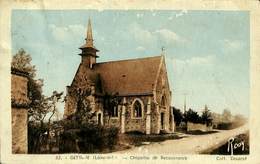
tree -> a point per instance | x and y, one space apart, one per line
22 61
226 116
178 115
84 112
111 101
38 107
41 108
192 116
52 101
206 117
52 109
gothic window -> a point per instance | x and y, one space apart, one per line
163 102
163 82
115 112
137 109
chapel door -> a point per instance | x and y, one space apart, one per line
99 119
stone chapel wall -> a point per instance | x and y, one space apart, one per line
135 124
162 89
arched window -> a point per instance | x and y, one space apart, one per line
163 102
137 109
99 118
115 112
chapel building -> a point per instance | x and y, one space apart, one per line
141 85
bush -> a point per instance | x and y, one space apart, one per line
229 125
138 139
36 137
88 138
224 126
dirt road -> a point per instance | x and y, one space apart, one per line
192 144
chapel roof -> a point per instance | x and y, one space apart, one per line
122 77
129 77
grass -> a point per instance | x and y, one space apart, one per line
138 139
222 150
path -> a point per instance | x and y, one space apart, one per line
193 144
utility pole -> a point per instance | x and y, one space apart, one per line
184 107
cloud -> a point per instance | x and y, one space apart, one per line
170 18
169 36
141 35
151 38
140 48
207 60
232 44
179 65
64 33
139 15
181 13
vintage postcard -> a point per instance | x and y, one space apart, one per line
126 81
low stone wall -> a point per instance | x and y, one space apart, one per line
197 126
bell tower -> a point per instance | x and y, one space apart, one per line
88 54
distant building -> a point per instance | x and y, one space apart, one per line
142 84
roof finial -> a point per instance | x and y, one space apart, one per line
89 39
163 50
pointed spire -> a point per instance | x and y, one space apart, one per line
89 39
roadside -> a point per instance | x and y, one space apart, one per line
238 145
190 144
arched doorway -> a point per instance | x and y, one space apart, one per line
162 121
99 118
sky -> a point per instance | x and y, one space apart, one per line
207 52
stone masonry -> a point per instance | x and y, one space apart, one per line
20 103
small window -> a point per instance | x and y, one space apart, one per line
115 112
137 109
163 102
